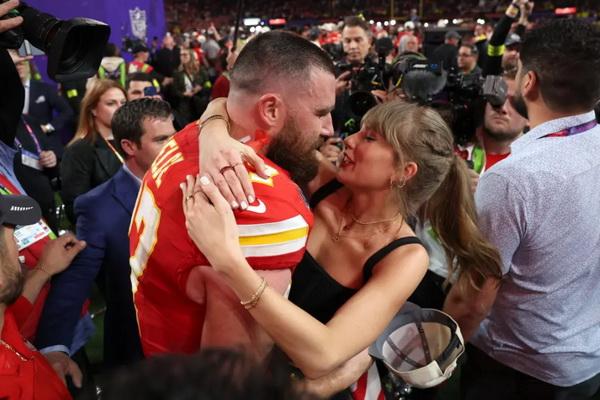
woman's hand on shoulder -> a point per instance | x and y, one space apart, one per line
222 158
210 222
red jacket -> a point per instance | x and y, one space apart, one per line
25 374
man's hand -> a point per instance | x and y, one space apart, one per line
342 83
331 150
526 8
48 159
63 366
222 158
59 253
8 24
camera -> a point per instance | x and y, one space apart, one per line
460 101
74 47
369 76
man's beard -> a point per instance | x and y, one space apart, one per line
13 281
519 105
289 151
500 135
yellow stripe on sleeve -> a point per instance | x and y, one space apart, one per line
274 238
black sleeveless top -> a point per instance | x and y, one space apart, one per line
313 289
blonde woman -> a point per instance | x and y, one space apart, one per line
362 258
91 158
191 86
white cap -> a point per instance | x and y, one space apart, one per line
420 345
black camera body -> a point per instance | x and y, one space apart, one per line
371 75
365 78
74 47
460 101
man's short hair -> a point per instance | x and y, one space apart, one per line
128 119
138 77
111 50
565 55
277 55
472 47
354 21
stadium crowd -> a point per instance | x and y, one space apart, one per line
338 204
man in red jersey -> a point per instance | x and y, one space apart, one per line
283 88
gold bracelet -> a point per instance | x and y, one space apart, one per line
215 117
248 304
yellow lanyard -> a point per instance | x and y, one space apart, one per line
110 146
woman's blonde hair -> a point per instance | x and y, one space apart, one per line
86 129
439 191
192 67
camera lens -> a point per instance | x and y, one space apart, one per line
361 102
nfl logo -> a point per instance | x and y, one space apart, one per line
138 23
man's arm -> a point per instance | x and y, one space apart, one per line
469 306
70 289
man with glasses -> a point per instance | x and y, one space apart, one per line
467 62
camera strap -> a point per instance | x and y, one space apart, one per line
574 130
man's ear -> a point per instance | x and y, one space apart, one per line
271 111
129 147
531 86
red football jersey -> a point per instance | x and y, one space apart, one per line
273 233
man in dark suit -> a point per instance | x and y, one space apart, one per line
44 106
141 128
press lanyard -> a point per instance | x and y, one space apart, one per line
575 130
30 131
114 150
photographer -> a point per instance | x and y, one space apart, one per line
500 127
467 62
356 42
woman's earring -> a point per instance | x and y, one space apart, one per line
396 184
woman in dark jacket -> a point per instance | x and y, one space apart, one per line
191 86
91 158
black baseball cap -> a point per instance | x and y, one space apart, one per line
19 210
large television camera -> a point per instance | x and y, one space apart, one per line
372 75
74 47
459 100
